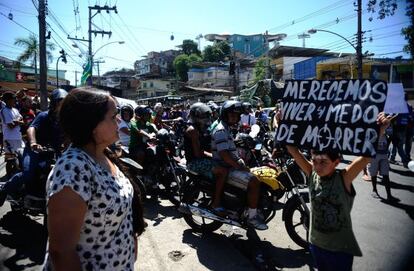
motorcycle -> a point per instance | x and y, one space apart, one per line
30 198
163 173
283 187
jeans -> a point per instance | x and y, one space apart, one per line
398 145
409 142
327 260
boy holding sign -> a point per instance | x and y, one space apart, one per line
332 242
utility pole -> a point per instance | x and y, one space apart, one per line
76 78
303 36
96 32
99 75
359 39
42 55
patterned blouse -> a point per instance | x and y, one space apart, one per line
106 238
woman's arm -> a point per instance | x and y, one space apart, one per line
195 142
66 211
302 162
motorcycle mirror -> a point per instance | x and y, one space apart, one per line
254 130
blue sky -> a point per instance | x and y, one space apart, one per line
147 26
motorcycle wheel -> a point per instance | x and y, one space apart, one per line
297 222
172 189
200 199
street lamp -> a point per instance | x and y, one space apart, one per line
92 55
359 56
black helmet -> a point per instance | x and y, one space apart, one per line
199 111
142 110
127 108
246 106
228 107
163 136
58 94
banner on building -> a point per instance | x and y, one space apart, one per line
337 115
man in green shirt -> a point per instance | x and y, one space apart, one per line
141 132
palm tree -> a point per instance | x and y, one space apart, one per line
31 50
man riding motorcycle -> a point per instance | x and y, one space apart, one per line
44 131
225 154
197 148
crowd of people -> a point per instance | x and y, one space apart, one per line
94 210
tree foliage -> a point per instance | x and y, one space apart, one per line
217 52
261 68
190 47
383 8
182 64
31 49
408 31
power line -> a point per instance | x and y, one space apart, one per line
18 23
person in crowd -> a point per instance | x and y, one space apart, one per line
197 149
409 132
43 132
380 164
332 242
226 155
11 122
127 113
94 210
215 115
399 130
27 113
157 116
141 131
247 118
2 105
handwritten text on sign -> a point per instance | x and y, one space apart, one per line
332 115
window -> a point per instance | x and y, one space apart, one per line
144 85
210 74
151 84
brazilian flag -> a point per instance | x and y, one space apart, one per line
86 78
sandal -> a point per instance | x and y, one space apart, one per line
219 211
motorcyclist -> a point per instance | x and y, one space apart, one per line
215 115
247 117
127 113
225 154
43 132
197 149
141 131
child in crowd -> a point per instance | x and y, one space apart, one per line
332 242
381 165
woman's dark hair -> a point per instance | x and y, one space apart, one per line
333 155
82 110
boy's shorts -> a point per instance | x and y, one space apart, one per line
13 145
202 166
379 165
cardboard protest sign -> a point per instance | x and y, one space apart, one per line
395 102
332 115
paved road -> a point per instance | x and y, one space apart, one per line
385 233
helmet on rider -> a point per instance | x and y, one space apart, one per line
143 112
247 107
127 109
230 107
57 96
200 114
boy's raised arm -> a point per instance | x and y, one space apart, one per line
302 162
